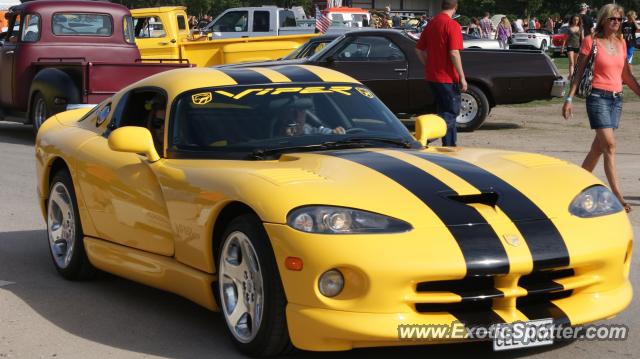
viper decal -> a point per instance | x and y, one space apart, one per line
483 252
545 242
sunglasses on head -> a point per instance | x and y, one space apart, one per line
618 19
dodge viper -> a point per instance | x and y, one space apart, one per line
293 201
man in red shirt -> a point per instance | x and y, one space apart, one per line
439 50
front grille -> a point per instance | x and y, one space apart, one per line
476 294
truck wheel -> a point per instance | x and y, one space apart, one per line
39 111
249 289
474 109
65 231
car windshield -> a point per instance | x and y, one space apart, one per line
318 55
242 122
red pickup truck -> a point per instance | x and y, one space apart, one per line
58 54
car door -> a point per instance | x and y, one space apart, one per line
377 62
7 59
154 39
121 191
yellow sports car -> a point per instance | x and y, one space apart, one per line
292 200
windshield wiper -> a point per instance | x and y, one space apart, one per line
370 140
261 154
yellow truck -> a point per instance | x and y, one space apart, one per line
163 33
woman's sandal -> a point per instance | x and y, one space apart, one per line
627 207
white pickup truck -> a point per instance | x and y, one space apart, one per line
261 21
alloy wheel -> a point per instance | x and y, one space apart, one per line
61 225
241 287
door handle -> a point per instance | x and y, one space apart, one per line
163 43
400 70
9 52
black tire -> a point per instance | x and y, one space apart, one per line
543 46
272 337
78 267
38 112
473 97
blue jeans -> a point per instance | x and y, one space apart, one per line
448 100
604 109
630 51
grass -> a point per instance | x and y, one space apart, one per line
562 63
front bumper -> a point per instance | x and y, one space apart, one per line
332 330
383 272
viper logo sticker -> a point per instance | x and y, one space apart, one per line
274 91
202 98
364 92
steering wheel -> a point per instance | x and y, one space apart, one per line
68 28
316 121
355 130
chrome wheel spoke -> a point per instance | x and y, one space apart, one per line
61 225
241 286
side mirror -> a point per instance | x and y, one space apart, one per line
330 60
134 139
430 127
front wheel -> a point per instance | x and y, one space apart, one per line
39 111
250 293
474 109
65 231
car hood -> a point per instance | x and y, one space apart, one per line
423 187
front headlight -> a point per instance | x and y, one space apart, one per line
594 202
341 220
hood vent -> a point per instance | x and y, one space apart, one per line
488 198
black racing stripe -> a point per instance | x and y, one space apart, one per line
470 314
246 76
545 242
483 252
475 318
543 310
297 74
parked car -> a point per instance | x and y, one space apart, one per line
162 33
64 53
473 42
533 39
291 200
385 61
469 41
311 47
558 40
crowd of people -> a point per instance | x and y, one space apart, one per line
600 58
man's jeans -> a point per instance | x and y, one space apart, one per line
447 98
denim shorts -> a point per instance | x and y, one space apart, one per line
604 109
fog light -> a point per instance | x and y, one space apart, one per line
331 283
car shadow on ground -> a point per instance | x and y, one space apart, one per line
16 133
125 315
494 126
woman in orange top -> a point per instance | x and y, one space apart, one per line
604 104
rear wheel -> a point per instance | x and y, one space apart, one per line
543 46
474 109
39 111
64 230
250 292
